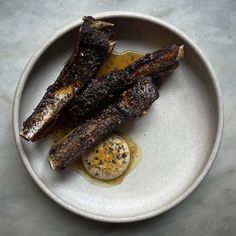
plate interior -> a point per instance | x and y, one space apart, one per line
176 136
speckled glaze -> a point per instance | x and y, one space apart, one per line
179 137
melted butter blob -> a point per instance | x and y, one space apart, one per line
109 159
135 158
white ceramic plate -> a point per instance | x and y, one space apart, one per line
179 136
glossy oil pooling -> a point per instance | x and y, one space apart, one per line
135 158
119 60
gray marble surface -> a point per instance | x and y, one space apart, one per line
25 209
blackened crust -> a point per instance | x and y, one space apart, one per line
86 59
156 64
131 104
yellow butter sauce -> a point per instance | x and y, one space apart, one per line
119 61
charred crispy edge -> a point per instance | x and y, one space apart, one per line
97 23
131 104
94 43
136 100
47 130
169 54
92 95
95 35
98 33
158 64
35 125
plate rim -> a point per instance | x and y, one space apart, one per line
17 100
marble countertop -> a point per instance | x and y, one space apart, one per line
26 210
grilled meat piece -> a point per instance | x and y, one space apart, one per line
131 104
96 39
156 64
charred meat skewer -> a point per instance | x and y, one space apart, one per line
96 40
156 64
131 104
